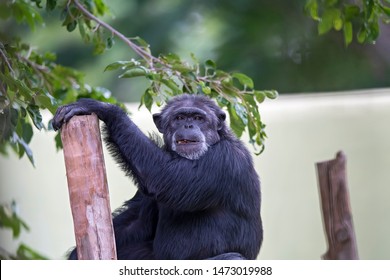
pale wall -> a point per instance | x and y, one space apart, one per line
302 130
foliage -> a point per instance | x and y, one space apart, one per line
361 20
169 75
31 81
273 42
10 220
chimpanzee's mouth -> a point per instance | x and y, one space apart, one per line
186 141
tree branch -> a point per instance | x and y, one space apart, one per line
6 59
141 52
137 49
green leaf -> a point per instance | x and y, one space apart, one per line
203 89
222 102
69 15
71 26
172 58
58 141
252 129
241 112
351 12
361 35
21 150
119 64
311 8
369 7
35 116
50 5
348 33
236 123
46 101
101 7
338 24
140 42
135 72
18 86
243 79
182 67
210 64
271 94
99 43
110 42
27 132
147 99
14 114
9 219
84 35
260 96
331 18
24 12
373 32
171 85
24 148
385 9
37 2
25 252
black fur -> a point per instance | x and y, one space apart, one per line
196 201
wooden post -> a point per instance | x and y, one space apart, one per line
88 189
336 209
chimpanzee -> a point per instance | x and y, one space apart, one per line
198 196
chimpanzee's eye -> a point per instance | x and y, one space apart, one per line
179 117
198 118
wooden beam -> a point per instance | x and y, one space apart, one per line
88 188
336 209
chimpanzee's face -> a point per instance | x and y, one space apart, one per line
189 126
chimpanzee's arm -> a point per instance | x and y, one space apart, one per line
180 183
131 147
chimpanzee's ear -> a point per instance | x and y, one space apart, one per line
221 119
158 122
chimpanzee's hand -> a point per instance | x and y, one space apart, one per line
81 107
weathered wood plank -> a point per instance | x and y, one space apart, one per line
88 188
336 209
